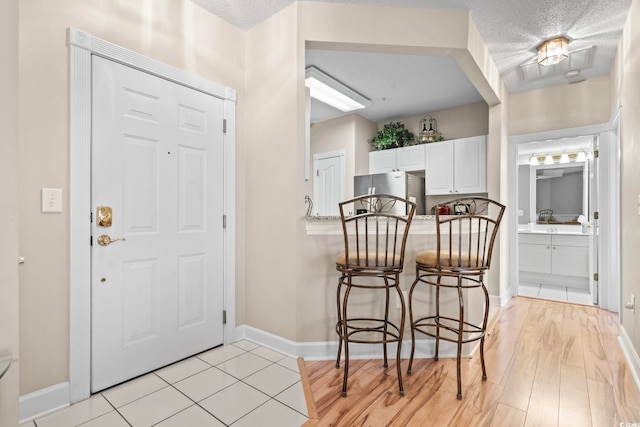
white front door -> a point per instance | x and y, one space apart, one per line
157 161
328 182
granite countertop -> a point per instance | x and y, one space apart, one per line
337 218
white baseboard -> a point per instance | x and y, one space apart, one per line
500 300
630 353
327 350
43 401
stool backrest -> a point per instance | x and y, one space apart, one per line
466 236
375 229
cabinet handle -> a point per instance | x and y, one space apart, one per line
547 247
554 248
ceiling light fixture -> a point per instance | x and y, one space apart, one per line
553 51
326 89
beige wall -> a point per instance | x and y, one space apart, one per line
629 92
275 119
459 122
365 131
560 107
175 32
9 339
498 189
266 66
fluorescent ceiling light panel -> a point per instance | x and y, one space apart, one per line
330 91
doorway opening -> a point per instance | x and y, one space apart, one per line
563 255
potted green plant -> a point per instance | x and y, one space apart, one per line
392 135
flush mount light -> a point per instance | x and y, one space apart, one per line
553 51
326 89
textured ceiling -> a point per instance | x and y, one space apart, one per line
511 30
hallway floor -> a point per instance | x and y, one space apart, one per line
555 293
237 385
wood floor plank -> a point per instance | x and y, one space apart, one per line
602 404
543 404
519 382
479 405
571 346
574 407
595 357
535 377
507 416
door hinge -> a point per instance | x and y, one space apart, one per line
90 240
596 277
318 172
91 217
224 221
596 215
596 154
224 317
224 125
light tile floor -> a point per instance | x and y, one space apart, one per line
555 293
237 385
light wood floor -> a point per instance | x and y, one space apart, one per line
548 364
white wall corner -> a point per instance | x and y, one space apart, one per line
44 401
631 355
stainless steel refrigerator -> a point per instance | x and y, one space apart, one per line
407 185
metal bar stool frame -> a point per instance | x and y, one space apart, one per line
466 257
375 243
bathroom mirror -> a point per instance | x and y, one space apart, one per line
560 192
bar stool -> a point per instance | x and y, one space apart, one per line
462 256
373 258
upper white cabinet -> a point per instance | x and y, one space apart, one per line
458 166
409 158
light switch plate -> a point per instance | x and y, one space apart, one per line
51 200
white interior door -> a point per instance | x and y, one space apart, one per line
157 161
328 182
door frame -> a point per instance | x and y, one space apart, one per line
82 46
609 179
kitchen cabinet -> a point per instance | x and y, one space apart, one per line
409 158
554 254
458 166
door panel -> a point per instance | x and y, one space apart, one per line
157 297
328 185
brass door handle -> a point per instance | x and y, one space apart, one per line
105 240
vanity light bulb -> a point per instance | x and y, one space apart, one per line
548 160
582 156
564 158
533 161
